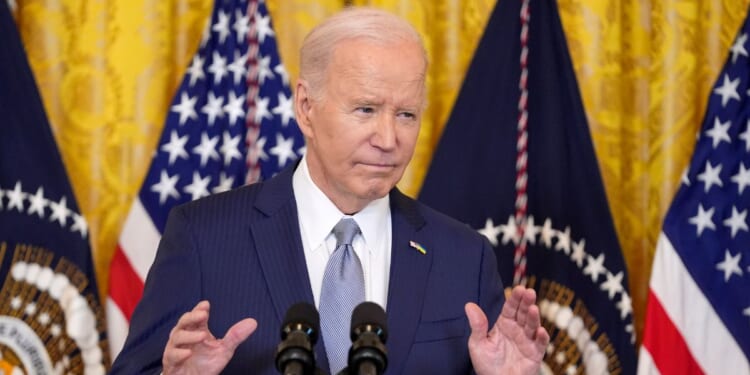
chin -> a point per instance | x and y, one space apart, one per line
372 187
379 191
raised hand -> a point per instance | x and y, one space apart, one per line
517 341
192 349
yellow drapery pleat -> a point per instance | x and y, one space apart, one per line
292 20
645 70
107 71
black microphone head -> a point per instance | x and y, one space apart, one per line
301 316
371 317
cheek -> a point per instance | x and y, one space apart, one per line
408 140
339 155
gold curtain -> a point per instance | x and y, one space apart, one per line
645 70
107 71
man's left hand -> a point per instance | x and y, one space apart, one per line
517 341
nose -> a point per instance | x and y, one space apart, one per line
384 136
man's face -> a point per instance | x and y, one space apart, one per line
362 129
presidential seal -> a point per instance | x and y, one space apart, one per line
48 324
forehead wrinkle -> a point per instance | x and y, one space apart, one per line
359 73
400 98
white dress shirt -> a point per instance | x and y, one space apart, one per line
317 217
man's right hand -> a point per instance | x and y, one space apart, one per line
192 349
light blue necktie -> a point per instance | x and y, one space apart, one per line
343 289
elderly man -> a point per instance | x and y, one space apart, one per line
254 251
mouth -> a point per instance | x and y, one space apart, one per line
381 167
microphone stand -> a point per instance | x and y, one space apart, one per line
364 368
294 368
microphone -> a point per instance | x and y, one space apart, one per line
368 355
299 333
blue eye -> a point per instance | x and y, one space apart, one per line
408 115
366 109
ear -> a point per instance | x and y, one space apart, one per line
303 107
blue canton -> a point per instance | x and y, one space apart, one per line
707 222
231 121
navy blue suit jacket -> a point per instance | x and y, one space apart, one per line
242 251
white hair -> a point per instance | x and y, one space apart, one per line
372 24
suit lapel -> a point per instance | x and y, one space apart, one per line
282 260
408 280
279 247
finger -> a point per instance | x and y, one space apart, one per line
239 332
542 340
522 314
532 322
195 319
477 321
510 308
534 331
528 297
175 356
202 309
183 338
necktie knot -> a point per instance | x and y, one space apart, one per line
344 231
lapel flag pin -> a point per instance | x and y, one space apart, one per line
418 247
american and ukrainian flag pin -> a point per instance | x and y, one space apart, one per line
418 247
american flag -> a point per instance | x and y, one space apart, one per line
231 122
51 321
698 313
573 258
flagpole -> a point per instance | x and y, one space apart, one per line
519 259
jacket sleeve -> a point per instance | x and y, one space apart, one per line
173 287
491 295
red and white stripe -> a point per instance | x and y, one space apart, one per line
139 239
683 333
519 257
253 91
133 257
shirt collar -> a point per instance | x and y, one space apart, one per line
318 215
